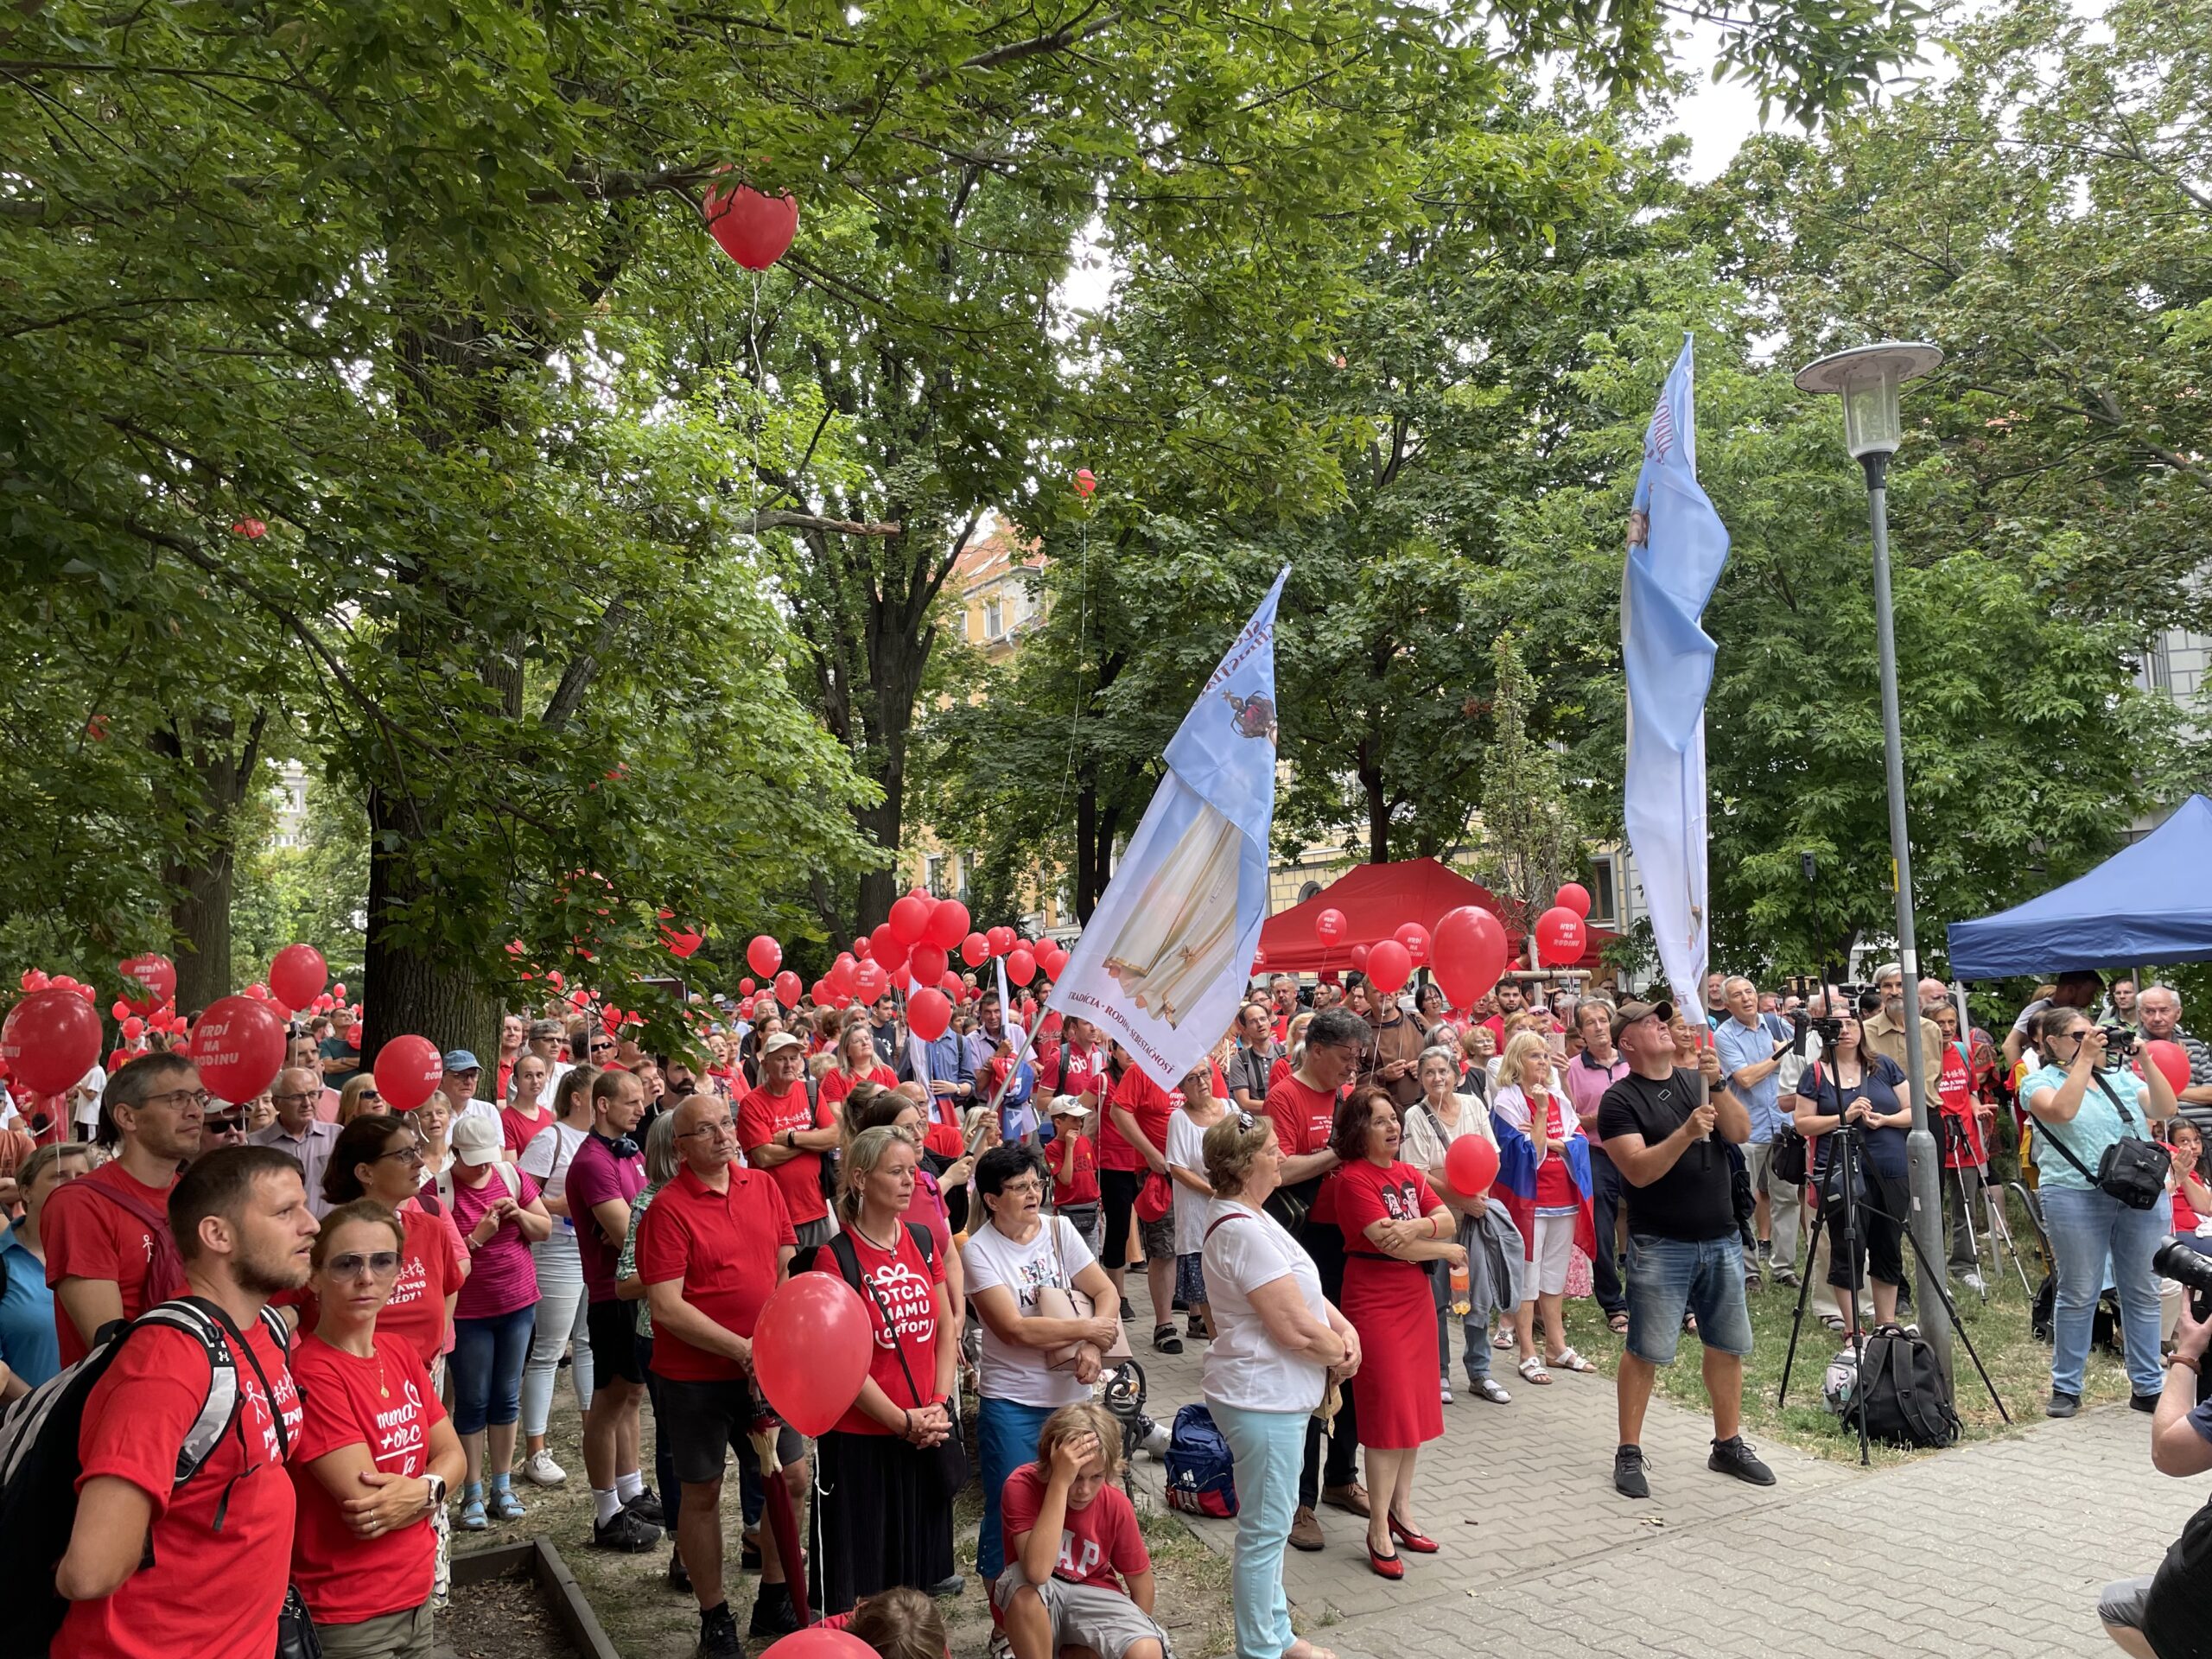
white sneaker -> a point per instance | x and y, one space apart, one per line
1974 1282
540 1470
1446 1389
1157 1439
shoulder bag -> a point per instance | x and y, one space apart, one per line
2132 1170
1062 1301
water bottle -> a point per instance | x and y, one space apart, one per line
1461 1300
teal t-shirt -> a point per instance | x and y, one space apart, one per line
2095 1126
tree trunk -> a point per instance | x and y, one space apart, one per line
1086 835
1379 808
199 912
402 991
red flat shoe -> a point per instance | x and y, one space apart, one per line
1406 1538
1385 1567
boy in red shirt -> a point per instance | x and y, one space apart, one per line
1075 1167
1077 1573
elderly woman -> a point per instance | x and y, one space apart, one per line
1496 1252
1293 1048
1277 1345
359 1096
1544 1170
28 1344
2083 1104
1477 1048
1393 1226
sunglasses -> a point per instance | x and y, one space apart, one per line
380 1264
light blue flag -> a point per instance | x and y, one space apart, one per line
1162 965
1676 548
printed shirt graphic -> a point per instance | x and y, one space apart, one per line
1097 1542
908 1286
1365 1195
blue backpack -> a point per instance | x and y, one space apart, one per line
1201 1474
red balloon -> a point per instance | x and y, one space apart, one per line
1020 965
910 920
840 977
1414 938
1002 940
339 991
818 1643
1085 482
1330 927
51 1038
975 950
863 948
408 1072
947 924
1560 937
949 984
298 974
155 976
2170 1058
1359 959
1471 1164
238 1046
683 943
929 1013
889 952
1388 962
133 1029
810 1349
870 981
820 992
1469 954
764 955
119 1010
746 986
926 962
787 993
753 229
557 979
1574 897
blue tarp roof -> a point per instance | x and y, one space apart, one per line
2150 902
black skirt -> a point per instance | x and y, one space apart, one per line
884 1520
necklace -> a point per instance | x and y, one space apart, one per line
875 1243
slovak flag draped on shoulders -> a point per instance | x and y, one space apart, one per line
1162 963
1677 547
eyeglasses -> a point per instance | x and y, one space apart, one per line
379 1264
292 1100
1022 1190
717 1130
405 1155
179 1099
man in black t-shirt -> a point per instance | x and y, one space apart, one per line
1684 1252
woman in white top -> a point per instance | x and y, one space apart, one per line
1276 1344
561 1306
1186 1132
1494 1245
1531 1103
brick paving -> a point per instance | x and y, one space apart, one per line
1995 1548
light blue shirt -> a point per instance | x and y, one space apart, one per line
1741 1045
27 1340
2095 1126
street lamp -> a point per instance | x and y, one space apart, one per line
1867 379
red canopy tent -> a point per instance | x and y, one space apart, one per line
1377 900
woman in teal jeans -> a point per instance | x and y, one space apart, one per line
1276 1343
2080 1107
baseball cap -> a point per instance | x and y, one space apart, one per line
1070 1106
781 1040
1629 1013
462 1060
476 1141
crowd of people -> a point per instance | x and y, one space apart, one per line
387 1300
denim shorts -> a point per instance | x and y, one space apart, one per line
1667 1277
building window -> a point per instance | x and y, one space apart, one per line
967 627
994 620
935 879
1601 891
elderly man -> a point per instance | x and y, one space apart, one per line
2160 1009
1885 1032
463 1072
299 1131
1750 1063
713 1245
545 1042
1283 994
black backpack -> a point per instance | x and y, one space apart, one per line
38 1464
1901 1391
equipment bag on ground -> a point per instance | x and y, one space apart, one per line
1201 1474
1901 1391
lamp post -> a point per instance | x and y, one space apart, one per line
1867 379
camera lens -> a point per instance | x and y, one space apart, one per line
2183 1265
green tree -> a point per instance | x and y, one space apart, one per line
1528 846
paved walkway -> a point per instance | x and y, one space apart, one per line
1997 1548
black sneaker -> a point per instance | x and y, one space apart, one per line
1129 1310
718 1637
625 1531
2143 1401
1732 1457
646 1506
1628 1472
1164 1340
2062 1405
679 1578
773 1613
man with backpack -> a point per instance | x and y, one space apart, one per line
181 1537
109 1253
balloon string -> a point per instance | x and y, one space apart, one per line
760 420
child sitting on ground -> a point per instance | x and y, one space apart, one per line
1077 1573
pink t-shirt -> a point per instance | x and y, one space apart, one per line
595 1176
1586 1083
502 1277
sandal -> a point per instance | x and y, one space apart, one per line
1503 1341
1617 1323
1571 1361
1532 1371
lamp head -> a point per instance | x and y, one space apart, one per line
1867 377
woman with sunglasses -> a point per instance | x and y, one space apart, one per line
381 1159
359 1096
374 1453
2083 1104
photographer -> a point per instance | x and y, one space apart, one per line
2083 1105
1863 1092
2160 1616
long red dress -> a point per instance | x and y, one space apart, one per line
1391 1305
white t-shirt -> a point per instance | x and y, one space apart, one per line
546 1161
88 1108
1010 1372
1244 1368
483 1108
1186 1148
1427 1137
560 1068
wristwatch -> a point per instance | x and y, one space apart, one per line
790 1140
437 1485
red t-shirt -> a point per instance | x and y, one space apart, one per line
1365 1195
209 1594
761 1118
87 1237
836 1085
1083 1071
1554 1180
506 1071
1303 1114
430 1270
1147 1103
1278 1071
1954 1091
723 1247
907 1285
1082 1184
1097 1541
518 1129
383 1403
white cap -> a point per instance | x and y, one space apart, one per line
1070 1106
781 1040
476 1141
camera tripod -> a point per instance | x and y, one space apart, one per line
1841 1181
1999 1234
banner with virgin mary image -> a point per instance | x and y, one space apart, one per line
1162 963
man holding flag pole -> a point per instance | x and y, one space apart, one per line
1660 1125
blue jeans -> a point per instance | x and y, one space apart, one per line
1006 1437
2088 1229
487 1365
1268 1447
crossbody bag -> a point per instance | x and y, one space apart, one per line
2132 1169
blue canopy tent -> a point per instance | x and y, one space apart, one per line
2150 902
